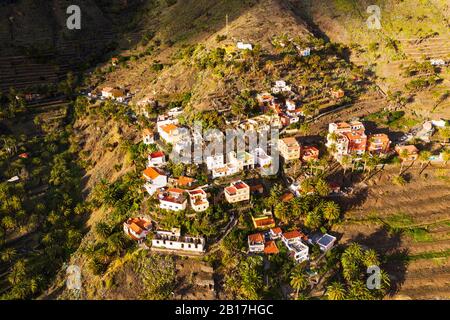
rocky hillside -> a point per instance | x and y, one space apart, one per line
185 51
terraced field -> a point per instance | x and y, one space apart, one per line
409 225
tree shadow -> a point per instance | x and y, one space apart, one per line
394 258
354 199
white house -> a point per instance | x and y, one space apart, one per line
305 52
183 147
291 105
262 158
293 241
242 159
169 133
198 200
244 46
237 191
256 242
175 112
113 93
324 241
156 159
173 240
275 233
215 161
437 62
155 178
137 228
173 199
281 86
226 170
168 129
147 136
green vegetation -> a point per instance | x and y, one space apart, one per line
349 282
394 119
157 274
400 220
430 255
41 214
419 234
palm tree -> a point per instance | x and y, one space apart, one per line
350 270
8 254
331 211
17 273
322 187
355 251
281 212
346 161
306 186
403 155
385 281
336 291
446 155
116 242
358 291
270 65
399 180
424 157
296 162
299 281
365 158
313 220
444 133
371 258
9 144
103 230
332 149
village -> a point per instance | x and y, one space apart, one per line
346 143
295 160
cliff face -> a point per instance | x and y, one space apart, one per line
38 48
41 26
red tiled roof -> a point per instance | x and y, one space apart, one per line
184 181
157 154
256 238
264 222
147 132
276 230
270 247
175 190
138 225
240 185
231 190
291 142
151 173
293 234
287 197
342 125
168 128
411 149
